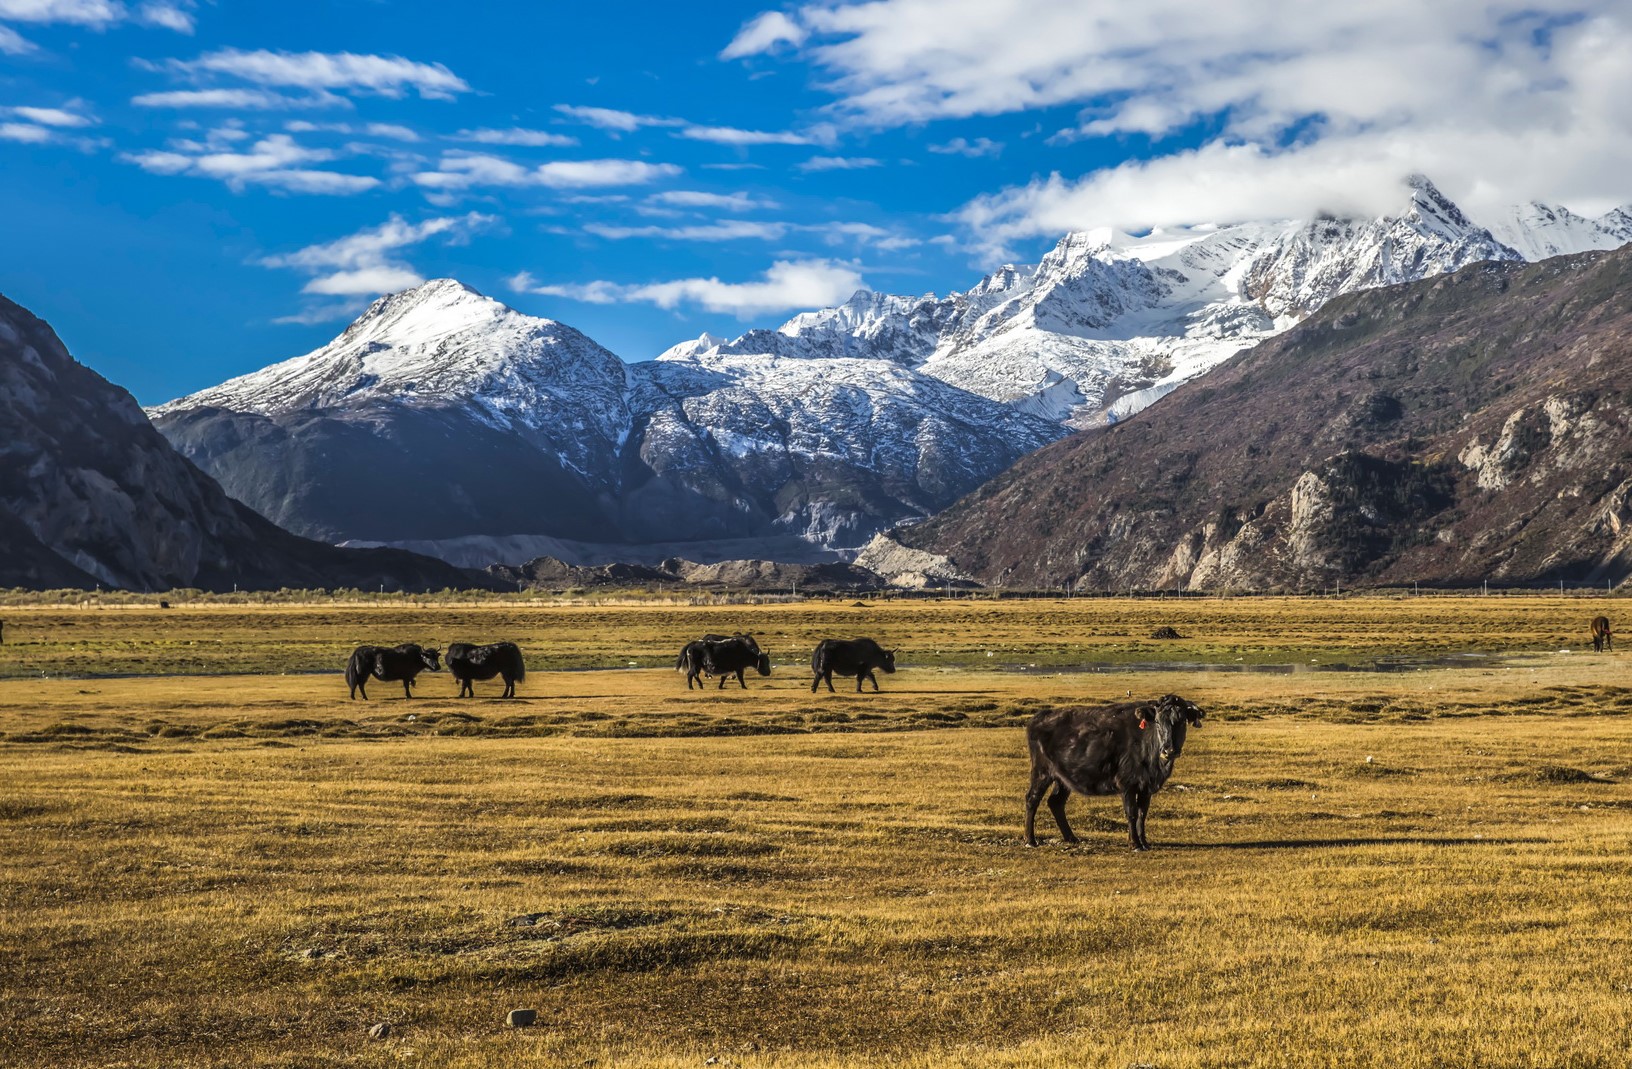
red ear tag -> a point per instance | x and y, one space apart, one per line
1142 725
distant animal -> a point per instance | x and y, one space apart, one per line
853 657
1602 638
1126 748
717 655
402 662
468 663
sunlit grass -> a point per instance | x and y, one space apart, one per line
1407 869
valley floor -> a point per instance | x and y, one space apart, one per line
1428 867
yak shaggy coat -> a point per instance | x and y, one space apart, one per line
1128 748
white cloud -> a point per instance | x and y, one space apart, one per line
525 138
369 262
13 43
95 13
838 163
25 132
763 34
785 285
391 76
729 135
276 161
51 116
724 230
1310 106
390 130
244 99
462 170
611 119
688 198
960 146
170 16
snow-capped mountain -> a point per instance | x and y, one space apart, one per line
1107 322
1538 230
835 425
441 413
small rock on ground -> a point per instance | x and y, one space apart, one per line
521 1018
379 1031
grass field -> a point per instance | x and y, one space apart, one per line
203 867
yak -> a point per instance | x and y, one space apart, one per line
468 663
1126 748
1602 637
402 662
716 655
855 657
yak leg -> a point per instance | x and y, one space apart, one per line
509 687
740 681
872 675
1056 806
407 685
723 677
1034 798
1130 810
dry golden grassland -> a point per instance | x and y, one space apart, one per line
1408 869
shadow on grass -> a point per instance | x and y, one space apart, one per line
1329 844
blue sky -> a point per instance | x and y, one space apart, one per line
192 191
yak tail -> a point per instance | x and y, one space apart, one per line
356 670
682 662
521 666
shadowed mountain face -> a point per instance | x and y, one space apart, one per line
1471 427
91 493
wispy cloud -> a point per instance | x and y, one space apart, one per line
390 76
462 170
730 135
61 117
764 33
370 262
625 122
724 230
519 137
13 43
96 13
786 284
838 163
239 99
276 161
690 198
960 146
390 131
25 132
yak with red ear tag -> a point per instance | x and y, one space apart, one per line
1127 748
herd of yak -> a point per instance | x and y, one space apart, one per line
715 656
1125 748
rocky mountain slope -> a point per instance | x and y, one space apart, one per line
838 424
90 493
1471 427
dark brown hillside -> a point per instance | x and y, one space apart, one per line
1469 427
91 494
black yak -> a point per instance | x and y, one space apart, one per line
402 662
856 657
468 663
1127 748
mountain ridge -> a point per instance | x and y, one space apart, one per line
840 423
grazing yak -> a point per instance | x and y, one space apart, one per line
857 657
717 655
402 662
1127 748
468 663
1602 637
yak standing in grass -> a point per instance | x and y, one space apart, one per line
1602 637
402 662
1127 748
716 655
856 657
468 663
